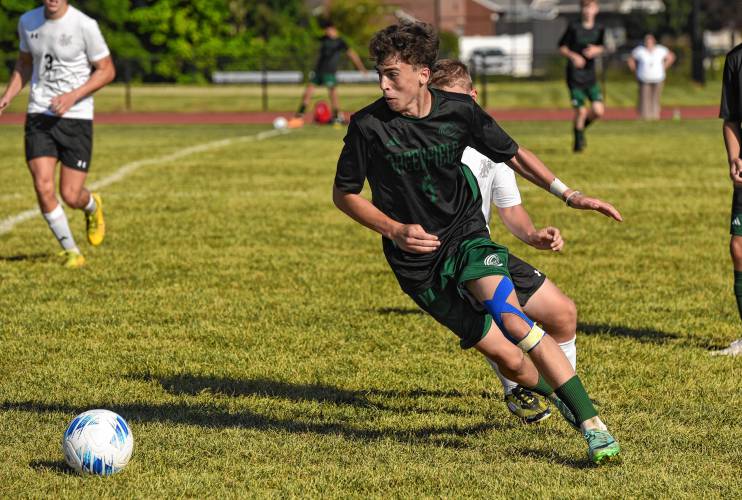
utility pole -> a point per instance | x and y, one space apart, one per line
698 48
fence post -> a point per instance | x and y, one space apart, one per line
127 84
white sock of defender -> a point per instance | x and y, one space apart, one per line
57 221
91 206
507 384
569 349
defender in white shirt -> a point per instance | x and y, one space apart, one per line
64 56
540 299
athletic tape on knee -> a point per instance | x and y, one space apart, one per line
532 339
498 305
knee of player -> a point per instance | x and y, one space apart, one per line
512 361
70 196
735 248
598 111
44 187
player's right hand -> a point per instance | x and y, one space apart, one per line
735 171
578 61
4 103
413 238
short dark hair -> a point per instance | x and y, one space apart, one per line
450 72
325 22
415 43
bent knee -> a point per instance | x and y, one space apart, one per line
71 196
735 248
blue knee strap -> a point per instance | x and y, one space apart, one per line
499 305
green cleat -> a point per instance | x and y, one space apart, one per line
527 406
601 446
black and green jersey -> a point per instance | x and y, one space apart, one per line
577 38
414 169
330 50
731 88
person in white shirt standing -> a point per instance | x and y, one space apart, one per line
59 48
650 62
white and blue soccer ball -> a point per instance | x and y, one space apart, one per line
98 442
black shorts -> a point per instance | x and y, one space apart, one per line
526 278
68 139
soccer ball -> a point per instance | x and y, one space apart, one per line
97 442
280 123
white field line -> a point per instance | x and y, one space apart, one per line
7 224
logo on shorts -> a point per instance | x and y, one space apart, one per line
537 272
82 164
65 40
736 222
493 260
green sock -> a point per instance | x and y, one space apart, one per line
738 290
542 387
573 394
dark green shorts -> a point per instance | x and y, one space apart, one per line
449 303
736 223
579 95
329 80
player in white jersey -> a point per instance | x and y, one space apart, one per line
540 299
63 54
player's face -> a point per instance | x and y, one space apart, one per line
649 41
591 10
54 6
401 83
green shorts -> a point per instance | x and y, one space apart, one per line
449 303
735 228
579 95
329 80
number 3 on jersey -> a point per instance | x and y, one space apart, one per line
49 60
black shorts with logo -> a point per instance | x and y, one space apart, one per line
526 278
68 139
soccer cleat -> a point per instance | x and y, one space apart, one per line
72 259
601 447
734 349
527 406
566 413
96 226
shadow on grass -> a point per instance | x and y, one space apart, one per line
554 457
645 335
449 436
23 257
400 311
55 466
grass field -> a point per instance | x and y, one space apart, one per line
258 345
285 98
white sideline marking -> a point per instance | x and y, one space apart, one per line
7 224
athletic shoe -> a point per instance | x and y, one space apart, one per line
734 349
96 226
601 447
527 406
72 259
566 413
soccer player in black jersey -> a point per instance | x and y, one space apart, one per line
581 43
332 46
427 207
731 113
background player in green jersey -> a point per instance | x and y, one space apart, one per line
581 44
332 46
731 112
427 207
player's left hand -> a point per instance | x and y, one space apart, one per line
62 103
582 202
548 238
735 171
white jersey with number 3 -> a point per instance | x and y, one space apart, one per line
63 50
496 182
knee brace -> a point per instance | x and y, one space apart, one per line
498 305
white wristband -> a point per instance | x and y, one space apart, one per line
558 188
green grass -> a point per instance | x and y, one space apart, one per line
258 345
285 98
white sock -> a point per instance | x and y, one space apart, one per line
91 206
569 349
507 384
57 221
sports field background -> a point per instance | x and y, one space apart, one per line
286 98
258 345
